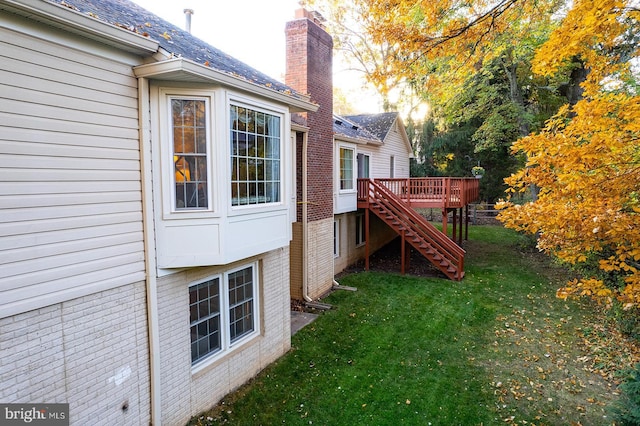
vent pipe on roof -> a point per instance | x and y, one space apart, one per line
188 13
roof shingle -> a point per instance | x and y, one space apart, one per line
176 41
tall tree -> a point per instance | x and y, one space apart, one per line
470 60
348 23
586 161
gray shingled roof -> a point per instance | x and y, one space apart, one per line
128 15
350 129
378 124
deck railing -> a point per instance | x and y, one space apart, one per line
445 192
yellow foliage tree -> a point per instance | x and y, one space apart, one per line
586 162
439 44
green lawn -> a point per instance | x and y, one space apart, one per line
496 348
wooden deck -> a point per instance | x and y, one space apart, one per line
451 194
444 192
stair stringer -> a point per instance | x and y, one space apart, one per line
435 246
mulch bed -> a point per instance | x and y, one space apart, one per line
388 259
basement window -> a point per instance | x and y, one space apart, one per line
223 311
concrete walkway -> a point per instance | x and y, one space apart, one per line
300 319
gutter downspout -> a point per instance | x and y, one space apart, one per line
305 221
149 249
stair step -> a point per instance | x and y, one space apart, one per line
396 217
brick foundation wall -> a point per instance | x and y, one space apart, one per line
185 394
296 262
91 352
320 260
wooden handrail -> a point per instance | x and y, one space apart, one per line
446 192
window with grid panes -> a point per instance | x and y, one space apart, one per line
222 311
255 156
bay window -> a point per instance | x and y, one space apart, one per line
190 162
255 156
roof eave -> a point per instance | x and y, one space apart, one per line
184 70
78 23
359 141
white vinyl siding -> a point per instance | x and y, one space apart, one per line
394 146
70 179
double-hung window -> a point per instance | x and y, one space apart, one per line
223 310
256 146
346 168
189 153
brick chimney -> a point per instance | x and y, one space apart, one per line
309 70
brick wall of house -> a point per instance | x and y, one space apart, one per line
91 352
320 260
185 394
295 266
309 70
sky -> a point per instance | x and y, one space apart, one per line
253 32
249 30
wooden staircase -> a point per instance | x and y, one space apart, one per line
414 229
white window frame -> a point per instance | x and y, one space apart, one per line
361 232
168 186
392 166
336 238
226 345
282 188
354 171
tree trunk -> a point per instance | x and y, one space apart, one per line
515 91
574 90
511 68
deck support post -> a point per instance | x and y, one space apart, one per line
445 226
403 244
466 222
460 231
367 239
454 226
408 256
